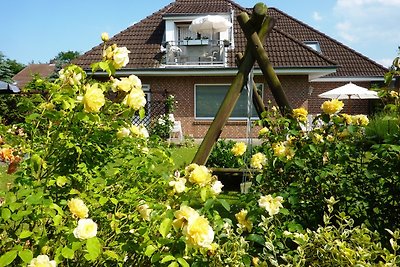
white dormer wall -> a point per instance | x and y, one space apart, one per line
171 30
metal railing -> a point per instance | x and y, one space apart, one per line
198 52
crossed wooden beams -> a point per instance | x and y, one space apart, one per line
256 30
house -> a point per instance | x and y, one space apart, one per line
198 68
25 76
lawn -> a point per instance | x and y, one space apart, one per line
183 156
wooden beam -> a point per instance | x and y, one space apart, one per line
259 22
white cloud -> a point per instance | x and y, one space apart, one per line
317 16
368 25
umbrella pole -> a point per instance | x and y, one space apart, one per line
349 105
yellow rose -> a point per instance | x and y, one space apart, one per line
120 57
200 175
332 106
347 118
93 99
216 187
42 261
239 148
78 208
190 168
279 149
198 232
360 120
300 114
178 184
105 37
86 229
317 138
263 131
135 99
258 160
182 216
394 94
271 204
123 132
243 223
144 211
139 131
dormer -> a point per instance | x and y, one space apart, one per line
187 45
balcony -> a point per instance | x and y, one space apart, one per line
199 52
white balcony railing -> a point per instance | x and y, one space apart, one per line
199 52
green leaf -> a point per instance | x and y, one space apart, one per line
165 227
257 239
8 258
67 253
167 258
114 201
25 234
104 66
183 262
111 254
5 214
225 204
93 247
150 250
173 264
103 200
57 220
26 255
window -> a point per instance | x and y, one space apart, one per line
314 45
208 99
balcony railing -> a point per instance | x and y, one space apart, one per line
199 52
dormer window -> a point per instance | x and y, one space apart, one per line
313 45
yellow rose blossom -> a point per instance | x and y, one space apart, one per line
86 229
394 94
126 84
198 232
78 208
244 223
139 131
279 149
42 261
123 132
182 216
300 114
105 37
178 185
238 149
190 168
120 57
200 175
360 120
271 204
345 133
317 138
332 106
144 211
135 99
347 118
93 99
258 160
330 138
216 187
264 131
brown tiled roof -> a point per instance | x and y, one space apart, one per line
284 45
25 75
351 63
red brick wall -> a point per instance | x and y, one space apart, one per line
297 88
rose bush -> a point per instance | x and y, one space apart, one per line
91 189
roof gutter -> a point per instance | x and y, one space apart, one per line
311 72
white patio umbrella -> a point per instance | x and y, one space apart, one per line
350 91
210 24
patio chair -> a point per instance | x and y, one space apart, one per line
176 132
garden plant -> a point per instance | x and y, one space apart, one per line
91 189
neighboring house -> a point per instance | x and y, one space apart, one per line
170 59
25 76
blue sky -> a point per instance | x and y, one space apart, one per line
36 31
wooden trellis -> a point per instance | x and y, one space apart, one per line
256 29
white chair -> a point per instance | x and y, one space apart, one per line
176 132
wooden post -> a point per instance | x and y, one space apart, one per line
258 17
257 49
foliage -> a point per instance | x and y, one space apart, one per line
91 189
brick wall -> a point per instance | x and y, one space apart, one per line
297 88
